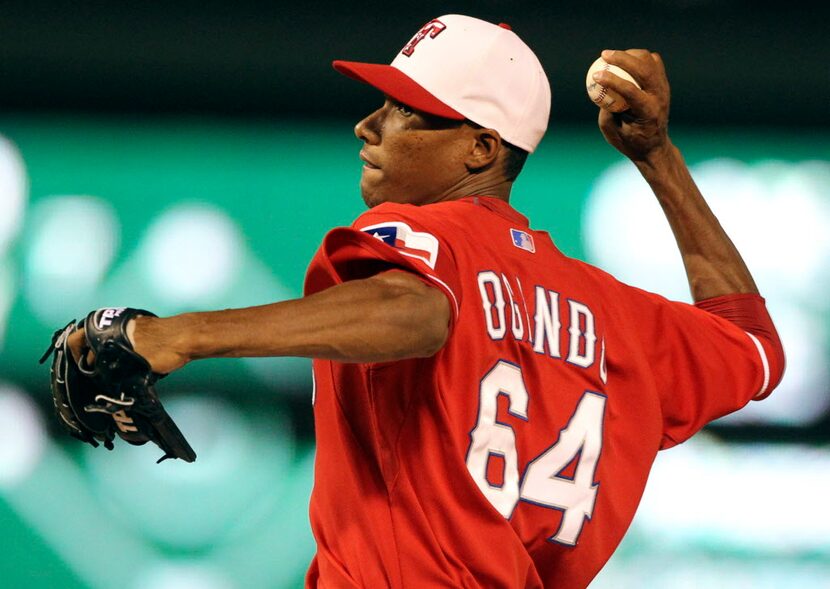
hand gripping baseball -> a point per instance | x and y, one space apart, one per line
108 388
643 129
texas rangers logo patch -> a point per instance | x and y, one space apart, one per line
523 240
415 244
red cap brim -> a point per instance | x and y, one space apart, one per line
398 85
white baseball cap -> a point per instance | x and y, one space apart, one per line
460 67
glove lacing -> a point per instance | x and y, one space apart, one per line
113 405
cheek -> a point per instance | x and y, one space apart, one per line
414 167
426 161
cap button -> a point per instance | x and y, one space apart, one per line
504 25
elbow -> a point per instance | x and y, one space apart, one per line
434 338
778 363
429 320
774 365
776 360
420 314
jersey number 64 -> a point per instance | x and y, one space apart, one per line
542 482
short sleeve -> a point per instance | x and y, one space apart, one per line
388 237
703 365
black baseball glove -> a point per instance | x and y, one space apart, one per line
114 394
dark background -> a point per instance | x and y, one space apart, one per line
144 106
733 62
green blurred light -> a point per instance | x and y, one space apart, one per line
71 242
191 254
778 215
190 507
13 193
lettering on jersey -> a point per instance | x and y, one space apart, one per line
547 322
546 327
433 28
521 292
411 243
516 323
492 300
523 240
581 332
603 368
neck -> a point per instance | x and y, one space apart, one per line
483 184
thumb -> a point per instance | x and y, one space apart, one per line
131 332
76 344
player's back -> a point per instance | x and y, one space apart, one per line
558 444
556 447
517 455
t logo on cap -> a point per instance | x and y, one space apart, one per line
433 28
477 71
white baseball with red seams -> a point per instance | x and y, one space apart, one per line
602 96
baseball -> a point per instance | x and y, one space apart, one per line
602 96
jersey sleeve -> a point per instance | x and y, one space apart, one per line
749 312
388 237
704 365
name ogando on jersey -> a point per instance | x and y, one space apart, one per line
540 324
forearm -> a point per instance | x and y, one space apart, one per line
383 318
714 266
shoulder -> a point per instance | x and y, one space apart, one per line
431 214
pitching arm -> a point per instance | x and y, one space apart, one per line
714 267
718 278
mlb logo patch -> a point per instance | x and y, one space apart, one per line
523 240
411 243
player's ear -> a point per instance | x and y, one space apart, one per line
485 145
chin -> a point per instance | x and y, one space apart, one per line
371 198
367 198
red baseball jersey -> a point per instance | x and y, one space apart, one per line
517 455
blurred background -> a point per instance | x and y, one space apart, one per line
191 155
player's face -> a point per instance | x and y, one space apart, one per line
410 156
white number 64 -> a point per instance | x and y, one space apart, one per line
542 483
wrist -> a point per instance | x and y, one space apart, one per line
176 334
162 341
658 160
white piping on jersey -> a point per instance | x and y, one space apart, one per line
764 362
527 314
436 279
603 367
445 285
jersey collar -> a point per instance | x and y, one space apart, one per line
500 207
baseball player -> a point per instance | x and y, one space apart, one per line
487 409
